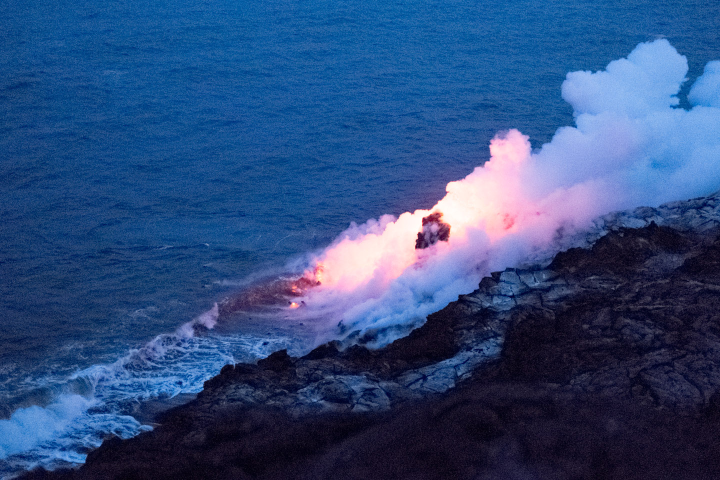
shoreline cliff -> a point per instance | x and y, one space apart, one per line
604 363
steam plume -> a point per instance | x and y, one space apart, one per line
631 146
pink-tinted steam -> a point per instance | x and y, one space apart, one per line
630 146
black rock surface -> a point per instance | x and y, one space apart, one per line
603 364
433 230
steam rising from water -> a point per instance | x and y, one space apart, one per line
631 146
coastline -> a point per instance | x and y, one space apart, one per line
569 370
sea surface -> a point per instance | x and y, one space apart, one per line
154 156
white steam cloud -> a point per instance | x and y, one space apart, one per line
631 146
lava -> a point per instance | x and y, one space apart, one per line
273 292
630 146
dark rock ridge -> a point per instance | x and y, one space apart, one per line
433 230
605 363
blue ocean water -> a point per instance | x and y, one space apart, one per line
152 156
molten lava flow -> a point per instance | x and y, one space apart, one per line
630 146
318 273
489 199
272 292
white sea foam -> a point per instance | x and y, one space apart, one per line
630 146
60 432
28 427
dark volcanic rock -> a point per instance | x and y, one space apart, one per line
277 362
604 364
636 328
433 230
622 251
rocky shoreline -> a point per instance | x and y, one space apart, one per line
604 363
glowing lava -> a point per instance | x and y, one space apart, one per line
630 146
377 253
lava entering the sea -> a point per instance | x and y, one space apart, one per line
631 145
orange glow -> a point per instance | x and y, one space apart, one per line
490 199
318 273
381 257
294 305
492 196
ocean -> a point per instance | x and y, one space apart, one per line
156 158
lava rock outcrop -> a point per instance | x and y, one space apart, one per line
433 230
603 363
